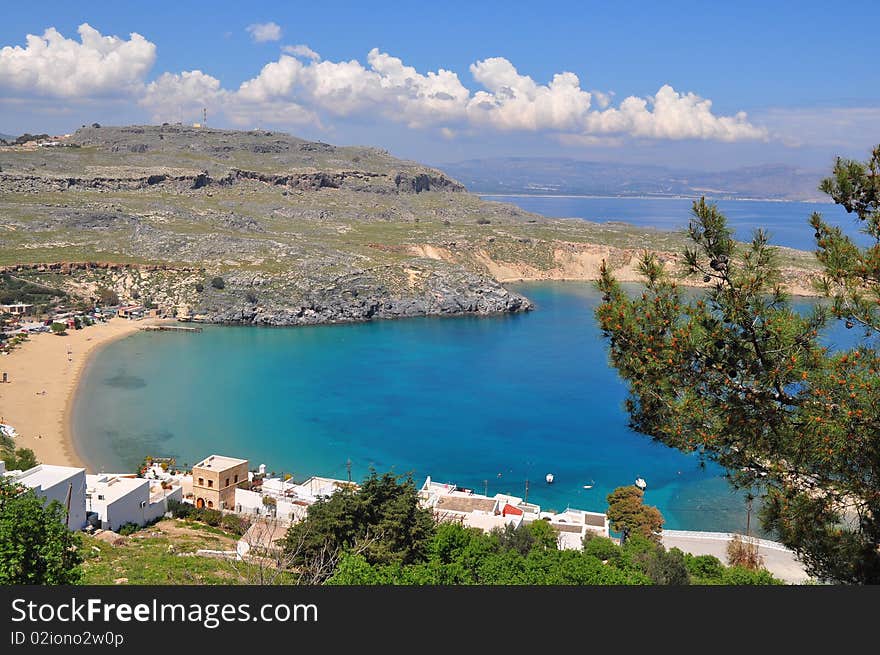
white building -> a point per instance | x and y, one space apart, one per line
289 501
452 503
121 499
66 484
574 524
16 309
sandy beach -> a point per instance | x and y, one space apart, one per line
43 374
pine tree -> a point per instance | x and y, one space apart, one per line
739 376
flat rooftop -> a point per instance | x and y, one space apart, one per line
46 475
465 504
220 462
113 487
316 485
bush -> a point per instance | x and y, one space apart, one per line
483 221
218 283
743 553
107 296
667 567
600 547
180 510
59 328
707 567
128 528
251 297
234 524
200 287
738 575
212 517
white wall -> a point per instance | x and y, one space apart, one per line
126 508
250 502
77 517
157 510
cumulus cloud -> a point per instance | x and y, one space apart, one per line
508 100
96 65
517 102
672 115
173 96
301 50
262 32
301 87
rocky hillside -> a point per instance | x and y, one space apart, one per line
263 228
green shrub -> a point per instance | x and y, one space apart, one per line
601 548
706 567
180 510
212 517
218 283
128 528
234 524
739 575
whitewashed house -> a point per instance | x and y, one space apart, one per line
66 484
450 502
121 499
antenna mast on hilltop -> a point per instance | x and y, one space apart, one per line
205 116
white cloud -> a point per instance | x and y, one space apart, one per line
179 97
671 115
301 87
262 32
508 100
516 102
52 65
301 50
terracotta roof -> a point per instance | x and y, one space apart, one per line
510 509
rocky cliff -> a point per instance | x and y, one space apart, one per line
264 228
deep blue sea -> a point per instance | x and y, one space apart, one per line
787 222
486 403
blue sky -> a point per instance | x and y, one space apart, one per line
808 84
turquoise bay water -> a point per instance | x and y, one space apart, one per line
477 402
480 402
787 222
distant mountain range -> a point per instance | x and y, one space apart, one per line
559 176
7 137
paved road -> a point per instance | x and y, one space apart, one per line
779 561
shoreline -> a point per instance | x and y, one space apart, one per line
43 383
39 399
484 195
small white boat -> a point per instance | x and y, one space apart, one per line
641 484
549 478
588 486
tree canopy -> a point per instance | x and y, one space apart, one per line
35 545
627 511
524 555
739 376
381 519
